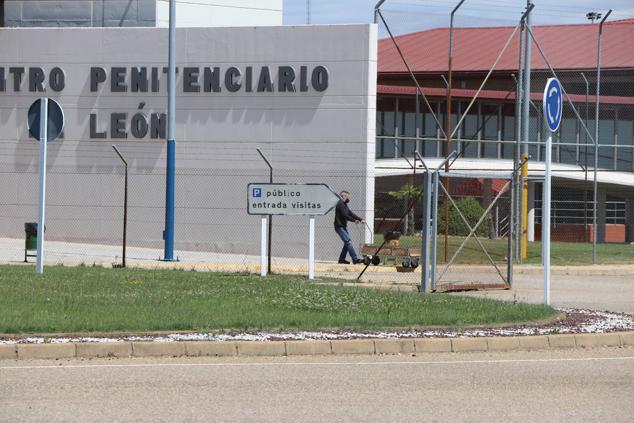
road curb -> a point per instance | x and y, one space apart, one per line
313 347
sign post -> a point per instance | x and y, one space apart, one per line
552 114
311 248
45 122
263 247
291 200
41 215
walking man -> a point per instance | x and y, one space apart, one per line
343 215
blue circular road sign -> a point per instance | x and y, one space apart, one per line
553 104
55 120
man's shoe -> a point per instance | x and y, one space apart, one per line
358 261
344 262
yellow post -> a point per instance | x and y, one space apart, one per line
524 158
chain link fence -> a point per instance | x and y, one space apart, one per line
484 123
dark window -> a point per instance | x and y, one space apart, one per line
508 131
490 116
386 115
625 134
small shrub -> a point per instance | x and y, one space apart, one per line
472 211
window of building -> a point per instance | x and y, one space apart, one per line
534 134
567 135
625 138
430 132
508 131
471 132
491 131
442 117
385 116
606 137
407 107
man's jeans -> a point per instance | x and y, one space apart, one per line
347 244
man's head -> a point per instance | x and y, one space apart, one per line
345 196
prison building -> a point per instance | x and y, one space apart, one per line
486 137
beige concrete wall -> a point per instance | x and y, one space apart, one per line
309 136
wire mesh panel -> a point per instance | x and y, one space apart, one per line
472 250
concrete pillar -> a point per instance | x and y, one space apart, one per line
629 220
601 199
530 225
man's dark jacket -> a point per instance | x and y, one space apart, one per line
343 215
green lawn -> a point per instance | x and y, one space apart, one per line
102 300
562 253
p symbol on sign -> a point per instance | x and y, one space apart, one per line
257 192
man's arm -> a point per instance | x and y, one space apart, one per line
353 217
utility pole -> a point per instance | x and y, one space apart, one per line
307 12
448 126
595 199
525 129
170 174
376 11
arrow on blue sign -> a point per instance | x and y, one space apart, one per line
553 106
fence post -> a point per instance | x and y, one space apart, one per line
311 248
425 250
434 229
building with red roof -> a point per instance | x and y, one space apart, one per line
486 138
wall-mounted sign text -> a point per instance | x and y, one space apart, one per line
143 79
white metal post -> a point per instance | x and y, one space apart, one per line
426 238
263 246
39 264
311 248
546 219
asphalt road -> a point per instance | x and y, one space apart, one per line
596 385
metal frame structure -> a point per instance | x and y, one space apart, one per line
447 133
431 189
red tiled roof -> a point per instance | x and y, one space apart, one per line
490 94
570 47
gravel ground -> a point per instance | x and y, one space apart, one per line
573 321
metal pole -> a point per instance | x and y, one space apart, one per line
376 11
39 263
585 167
424 286
546 219
434 229
263 247
170 179
525 128
311 248
448 130
270 237
595 231
509 246
518 145
307 12
125 203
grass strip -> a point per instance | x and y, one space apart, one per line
66 299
